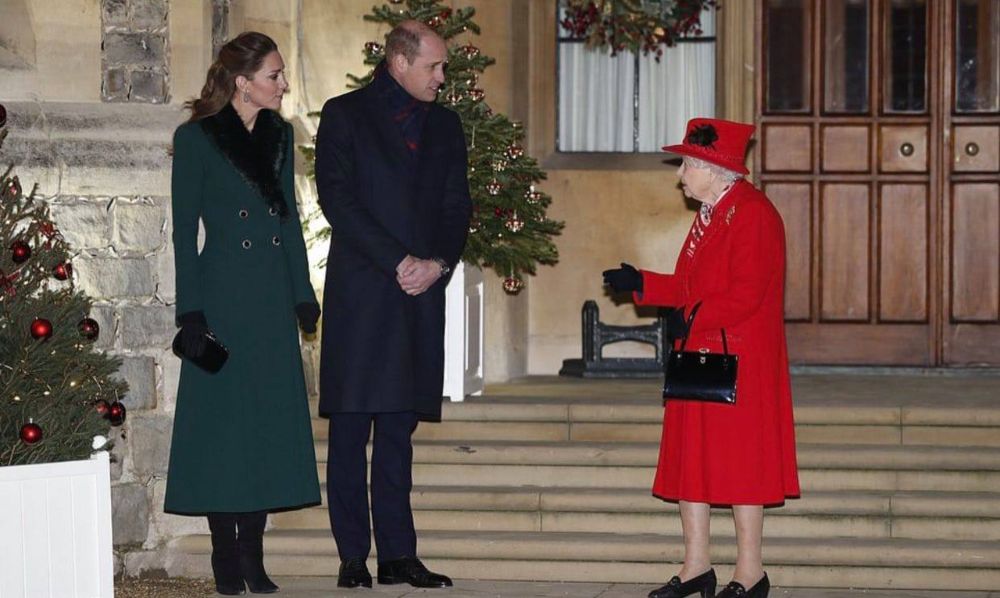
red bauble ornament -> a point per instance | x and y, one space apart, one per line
63 271
116 414
41 329
31 433
102 407
88 328
3 116
21 251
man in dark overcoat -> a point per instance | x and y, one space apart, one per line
391 173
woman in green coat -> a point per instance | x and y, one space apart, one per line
242 442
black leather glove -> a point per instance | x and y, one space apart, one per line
677 326
193 329
624 279
308 315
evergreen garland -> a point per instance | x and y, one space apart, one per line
634 25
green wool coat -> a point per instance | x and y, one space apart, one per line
242 438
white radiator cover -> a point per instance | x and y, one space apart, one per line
463 334
55 530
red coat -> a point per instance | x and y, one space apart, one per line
742 453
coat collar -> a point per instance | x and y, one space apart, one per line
257 156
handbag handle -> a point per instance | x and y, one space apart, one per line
690 323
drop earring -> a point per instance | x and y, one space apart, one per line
246 97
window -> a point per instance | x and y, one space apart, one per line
632 102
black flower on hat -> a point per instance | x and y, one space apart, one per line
703 135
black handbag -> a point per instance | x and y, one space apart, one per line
700 375
212 358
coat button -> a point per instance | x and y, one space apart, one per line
273 211
275 241
246 243
244 213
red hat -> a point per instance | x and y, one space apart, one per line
721 142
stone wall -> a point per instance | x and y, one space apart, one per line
134 48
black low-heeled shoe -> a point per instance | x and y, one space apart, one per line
735 589
354 574
675 588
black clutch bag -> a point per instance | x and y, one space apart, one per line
212 358
700 375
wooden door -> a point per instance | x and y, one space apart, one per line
971 166
857 149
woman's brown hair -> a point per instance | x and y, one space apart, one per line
242 55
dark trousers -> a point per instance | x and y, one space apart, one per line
392 480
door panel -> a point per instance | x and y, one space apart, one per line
845 251
903 274
788 148
977 149
903 149
975 253
845 149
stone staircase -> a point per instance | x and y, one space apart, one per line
548 479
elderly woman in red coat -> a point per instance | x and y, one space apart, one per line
714 454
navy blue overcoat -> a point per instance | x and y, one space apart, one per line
383 350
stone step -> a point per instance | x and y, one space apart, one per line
591 465
640 558
946 515
553 419
810 456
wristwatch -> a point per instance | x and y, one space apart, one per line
445 268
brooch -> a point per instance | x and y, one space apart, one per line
729 215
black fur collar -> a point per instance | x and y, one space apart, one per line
258 156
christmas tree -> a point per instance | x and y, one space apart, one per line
509 231
56 391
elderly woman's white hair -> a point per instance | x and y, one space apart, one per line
725 174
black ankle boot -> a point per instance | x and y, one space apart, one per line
735 589
251 543
225 554
704 585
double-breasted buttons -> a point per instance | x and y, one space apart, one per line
275 241
244 214
273 211
246 244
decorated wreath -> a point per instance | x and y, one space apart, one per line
634 25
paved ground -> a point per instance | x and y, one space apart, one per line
326 587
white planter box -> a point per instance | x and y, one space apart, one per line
463 334
55 530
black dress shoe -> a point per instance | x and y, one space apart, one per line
410 570
675 588
736 590
354 573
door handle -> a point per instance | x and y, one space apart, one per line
906 150
972 148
